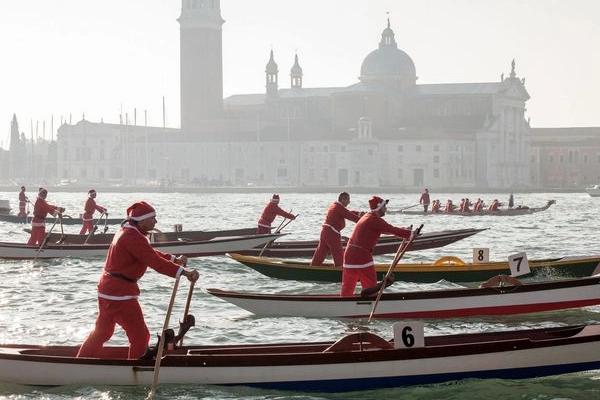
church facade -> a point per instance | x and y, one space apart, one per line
385 130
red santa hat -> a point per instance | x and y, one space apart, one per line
140 211
275 198
376 203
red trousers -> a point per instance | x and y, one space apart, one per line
261 230
22 212
126 313
351 276
329 242
87 227
38 234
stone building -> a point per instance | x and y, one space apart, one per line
385 130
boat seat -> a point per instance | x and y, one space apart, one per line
448 260
360 341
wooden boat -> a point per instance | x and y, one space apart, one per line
155 237
593 191
449 268
358 361
66 220
519 210
441 303
386 245
306 248
215 246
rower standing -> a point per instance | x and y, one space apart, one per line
358 257
88 212
129 256
424 200
23 200
330 240
269 213
41 209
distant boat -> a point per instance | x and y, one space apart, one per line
502 212
593 191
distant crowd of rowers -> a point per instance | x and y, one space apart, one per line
464 206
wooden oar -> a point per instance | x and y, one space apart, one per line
161 343
105 222
186 311
401 250
93 229
414 205
45 241
62 230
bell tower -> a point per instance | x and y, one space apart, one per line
201 62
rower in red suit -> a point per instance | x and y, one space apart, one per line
88 212
330 240
358 257
129 256
41 209
269 213
23 200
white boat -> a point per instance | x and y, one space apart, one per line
214 246
358 361
593 190
441 303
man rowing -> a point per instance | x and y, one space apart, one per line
270 212
358 257
129 256
41 209
88 212
330 240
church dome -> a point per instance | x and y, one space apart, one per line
388 60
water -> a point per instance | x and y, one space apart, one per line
54 302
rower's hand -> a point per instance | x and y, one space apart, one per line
60 210
181 260
192 274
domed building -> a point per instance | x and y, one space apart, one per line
385 130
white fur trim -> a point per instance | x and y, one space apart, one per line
143 217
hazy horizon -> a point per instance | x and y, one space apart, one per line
70 57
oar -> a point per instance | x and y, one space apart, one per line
281 223
105 222
401 250
93 229
279 228
62 230
186 311
45 241
414 205
161 343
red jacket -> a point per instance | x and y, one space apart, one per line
129 255
271 211
90 207
41 209
337 215
359 251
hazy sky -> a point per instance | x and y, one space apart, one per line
97 58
